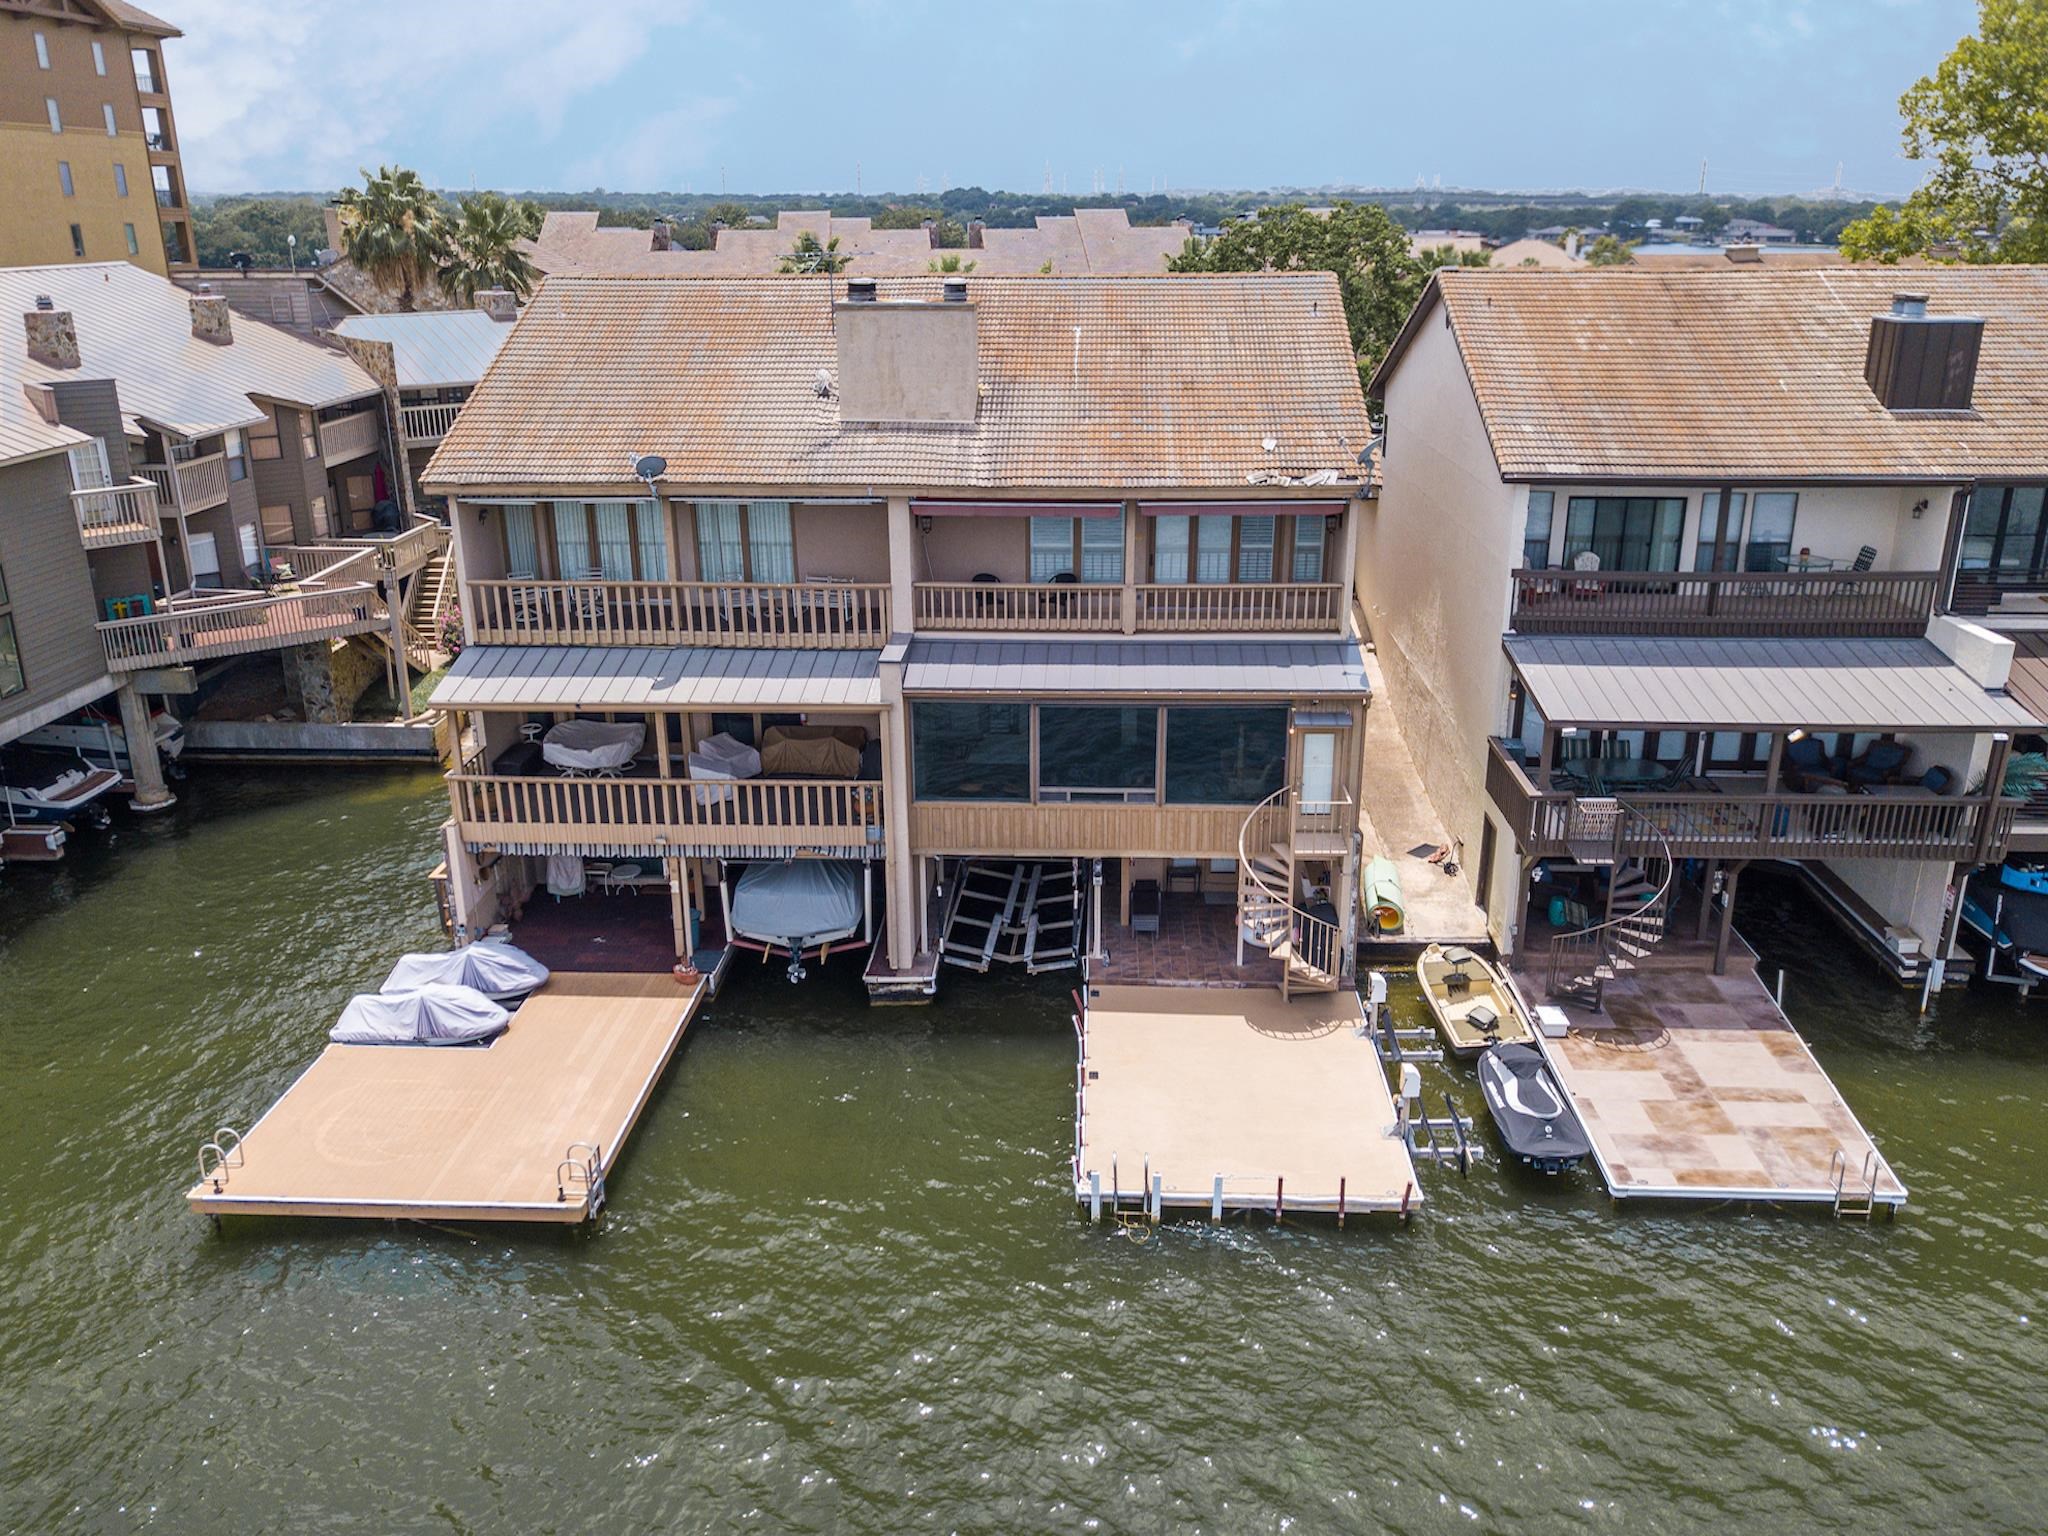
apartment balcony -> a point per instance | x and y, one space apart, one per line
111 515
427 423
349 437
188 485
829 615
1249 607
551 813
1738 816
341 600
1019 606
1777 604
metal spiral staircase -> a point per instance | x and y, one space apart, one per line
1309 948
1640 887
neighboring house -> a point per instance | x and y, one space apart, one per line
1462 242
1756 232
301 302
89 164
1063 560
1535 253
1091 240
213 498
1705 526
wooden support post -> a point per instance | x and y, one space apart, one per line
1777 762
1994 787
660 720
902 567
678 909
1706 916
1727 918
144 766
1123 880
1528 864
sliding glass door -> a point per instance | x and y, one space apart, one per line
1626 533
2005 531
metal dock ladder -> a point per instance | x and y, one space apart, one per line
1858 1199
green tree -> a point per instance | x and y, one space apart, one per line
1451 256
1981 121
480 247
1359 242
950 263
946 232
391 228
1608 252
808 255
257 226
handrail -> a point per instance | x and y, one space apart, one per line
1768 603
193 628
114 514
350 436
429 422
1600 940
189 485
1313 941
1019 605
1288 606
552 809
852 615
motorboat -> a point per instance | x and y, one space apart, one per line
1530 1110
435 1014
799 908
45 787
97 735
504 973
2007 907
1474 1006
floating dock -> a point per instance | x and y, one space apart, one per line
1233 1099
523 1129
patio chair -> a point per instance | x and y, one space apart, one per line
1569 915
1866 557
1808 768
1937 780
1145 904
1882 762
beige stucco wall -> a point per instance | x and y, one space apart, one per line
960 548
841 541
37 228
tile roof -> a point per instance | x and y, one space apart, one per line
1124 383
433 349
1740 374
1239 668
136 328
636 677
136 19
1749 685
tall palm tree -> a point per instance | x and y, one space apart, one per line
391 228
483 250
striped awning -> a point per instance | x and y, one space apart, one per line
1241 508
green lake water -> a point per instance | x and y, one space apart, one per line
843 1286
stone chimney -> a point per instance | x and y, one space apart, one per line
931 232
661 239
499 303
974 234
210 321
52 338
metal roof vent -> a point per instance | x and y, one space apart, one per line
1922 362
860 290
1911 305
44 301
956 290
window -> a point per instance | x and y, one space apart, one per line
121 181
1102 549
156 131
316 510
614 539
145 70
721 552
771 545
89 467
43 51
750 542
1098 751
205 560
64 178
1308 548
1769 547
522 542
277 524
1052 547
1224 756
77 241
2003 530
12 678
970 751
99 57
1628 533
572 542
1255 537
1170 550
1720 539
245 533
134 246
231 440
1090 547
263 443
107 108
652 539
309 438
1212 548
1536 531
166 187
56 117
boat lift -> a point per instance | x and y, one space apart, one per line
1448 1140
1021 912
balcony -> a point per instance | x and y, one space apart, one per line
188 485
1257 607
543 814
342 600
1740 817
349 437
1012 607
111 515
831 615
1777 604
427 423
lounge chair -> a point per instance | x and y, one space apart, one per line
1882 762
1569 915
1809 769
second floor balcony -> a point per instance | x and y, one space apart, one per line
1813 602
342 598
111 515
427 423
350 436
189 485
827 615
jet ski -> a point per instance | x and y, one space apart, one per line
1530 1111
2007 907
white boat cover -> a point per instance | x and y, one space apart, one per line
798 904
429 1015
565 874
496 970
722 757
590 744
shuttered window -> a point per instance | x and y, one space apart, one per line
1308 548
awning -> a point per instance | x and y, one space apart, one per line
1241 508
1304 669
1625 683
646 677
951 508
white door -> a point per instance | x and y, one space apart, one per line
1318 772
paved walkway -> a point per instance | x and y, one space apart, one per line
1400 820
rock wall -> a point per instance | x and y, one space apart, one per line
323 681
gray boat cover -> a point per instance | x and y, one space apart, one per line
496 970
591 744
431 1015
798 904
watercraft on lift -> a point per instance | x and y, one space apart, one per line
96 734
798 908
53 787
1473 1005
2007 907
1535 1120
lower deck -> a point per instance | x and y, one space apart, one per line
520 1130
1235 1099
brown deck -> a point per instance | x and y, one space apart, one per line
1194 1083
1694 1086
464 1134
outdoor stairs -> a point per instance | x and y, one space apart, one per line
1638 913
433 586
1268 920
1015 912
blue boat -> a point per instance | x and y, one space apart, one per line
2007 907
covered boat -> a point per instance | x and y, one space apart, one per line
2007 907
431 1015
798 908
502 972
97 735
1474 1007
1529 1110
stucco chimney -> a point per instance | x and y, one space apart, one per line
52 338
210 320
661 238
906 361
974 234
498 303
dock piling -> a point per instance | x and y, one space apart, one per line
1279 1198
1216 1199
1094 1196
1157 1197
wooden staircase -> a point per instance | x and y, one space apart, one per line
1308 948
1638 907
427 604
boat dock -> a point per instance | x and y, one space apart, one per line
1693 1086
524 1129
1229 1098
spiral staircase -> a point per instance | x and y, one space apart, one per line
1310 949
1640 889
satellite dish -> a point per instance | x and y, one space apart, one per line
650 467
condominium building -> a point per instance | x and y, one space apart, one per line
89 162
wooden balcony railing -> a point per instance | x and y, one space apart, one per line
404 550
116 514
830 615
342 601
427 423
189 485
1282 607
1765 603
348 437
1752 820
1014 605
550 812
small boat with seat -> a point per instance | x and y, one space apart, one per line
1472 1003
1530 1110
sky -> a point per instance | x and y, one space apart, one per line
903 95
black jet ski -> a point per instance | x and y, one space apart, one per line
1529 1110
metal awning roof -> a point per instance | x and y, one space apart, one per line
1227 668
1623 682
647 677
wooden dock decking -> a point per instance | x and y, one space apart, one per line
1286 1101
462 1133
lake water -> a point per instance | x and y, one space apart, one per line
843 1286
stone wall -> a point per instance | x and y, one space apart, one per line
324 681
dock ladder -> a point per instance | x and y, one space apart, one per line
1859 1199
